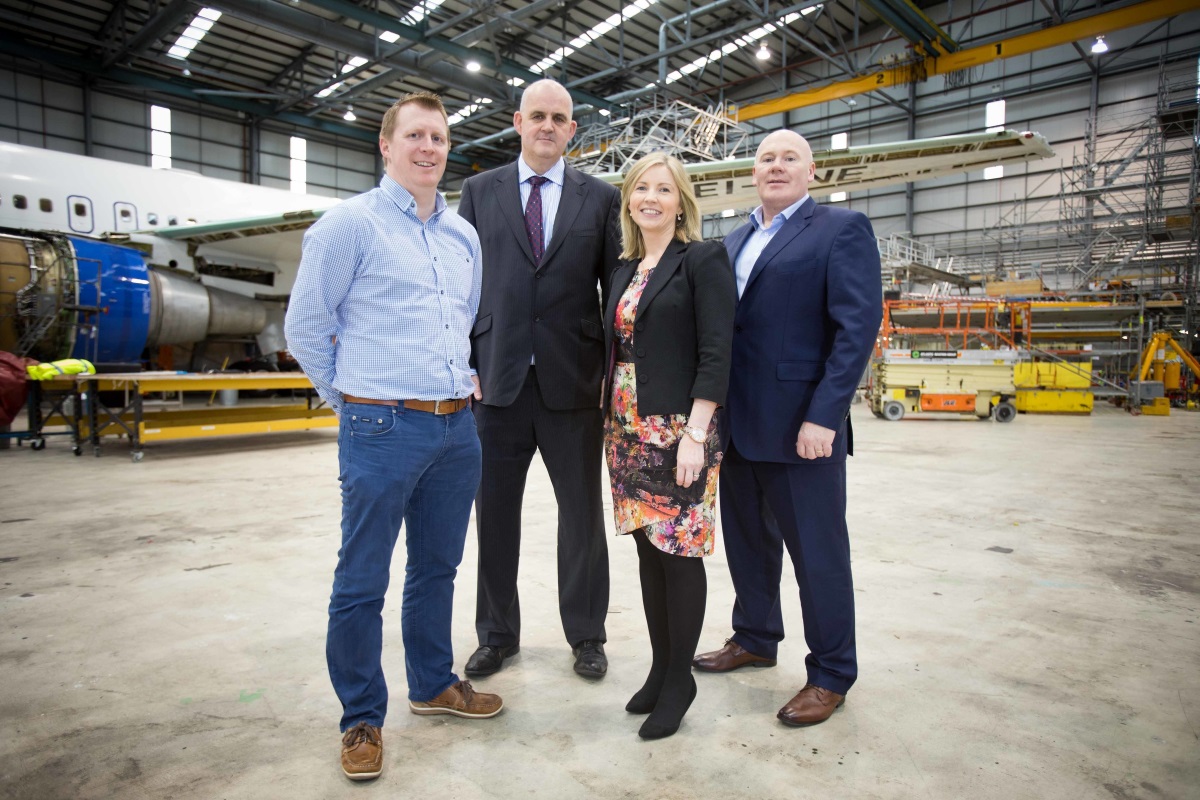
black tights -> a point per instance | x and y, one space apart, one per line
674 591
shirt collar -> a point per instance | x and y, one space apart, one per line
783 216
554 174
404 199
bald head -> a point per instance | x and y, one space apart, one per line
545 90
783 168
545 124
782 140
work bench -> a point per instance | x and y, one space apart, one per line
88 418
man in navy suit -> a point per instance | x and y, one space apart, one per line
810 302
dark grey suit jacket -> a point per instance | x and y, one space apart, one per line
550 311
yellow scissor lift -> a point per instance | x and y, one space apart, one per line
975 382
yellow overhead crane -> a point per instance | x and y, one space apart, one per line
942 63
1157 368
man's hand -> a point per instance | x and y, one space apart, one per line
814 441
477 393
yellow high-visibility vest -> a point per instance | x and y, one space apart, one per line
52 369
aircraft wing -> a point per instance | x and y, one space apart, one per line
271 243
723 185
274 240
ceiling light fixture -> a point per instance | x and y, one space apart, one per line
1099 46
349 115
473 66
763 53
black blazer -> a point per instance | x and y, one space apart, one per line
550 311
683 330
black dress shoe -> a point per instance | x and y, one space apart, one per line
488 660
590 661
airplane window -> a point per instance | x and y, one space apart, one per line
172 221
81 210
152 218
19 201
126 214
45 205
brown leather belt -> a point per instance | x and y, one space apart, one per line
438 407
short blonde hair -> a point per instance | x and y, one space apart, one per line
687 229
426 100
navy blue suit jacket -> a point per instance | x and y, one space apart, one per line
805 327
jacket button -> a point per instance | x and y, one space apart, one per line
643 379
641 326
537 318
641 351
737 328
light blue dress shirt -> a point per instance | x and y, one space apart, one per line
551 192
384 303
757 241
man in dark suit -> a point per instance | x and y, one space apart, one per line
807 318
550 239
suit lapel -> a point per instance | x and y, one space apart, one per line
620 280
508 196
573 193
790 230
667 266
735 240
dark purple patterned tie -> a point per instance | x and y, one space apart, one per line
533 218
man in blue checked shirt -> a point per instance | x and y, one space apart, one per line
379 319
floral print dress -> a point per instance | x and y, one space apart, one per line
641 456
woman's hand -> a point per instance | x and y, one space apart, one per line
689 461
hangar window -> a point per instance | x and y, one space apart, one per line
995 123
160 137
839 141
299 153
46 205
19 201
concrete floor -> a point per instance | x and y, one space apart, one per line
1027 627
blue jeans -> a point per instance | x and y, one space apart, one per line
398 466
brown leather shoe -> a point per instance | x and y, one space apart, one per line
729 658
362 752
462 701
811 705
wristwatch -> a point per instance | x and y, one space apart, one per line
697 435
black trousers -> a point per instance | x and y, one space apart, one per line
571 444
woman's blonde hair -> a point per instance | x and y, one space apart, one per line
687 227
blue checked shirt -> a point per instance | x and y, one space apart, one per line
383 304
551 192
757 241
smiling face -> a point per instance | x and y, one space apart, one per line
415 153
545 124
783 168
654 203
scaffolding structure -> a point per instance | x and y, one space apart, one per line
689 133
1129 204
1123 227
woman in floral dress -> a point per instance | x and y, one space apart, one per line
669 325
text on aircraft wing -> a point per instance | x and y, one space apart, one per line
727 184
